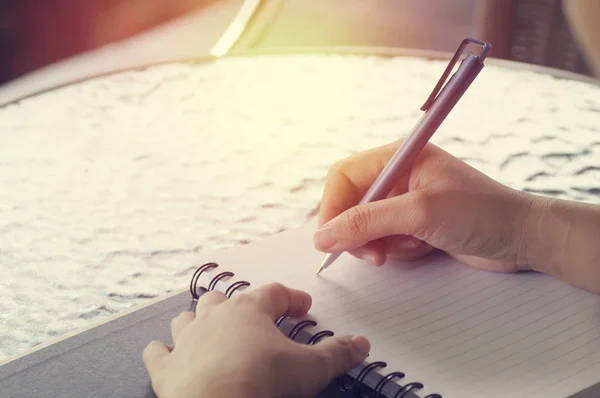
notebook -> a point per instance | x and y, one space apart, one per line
437 327
457 331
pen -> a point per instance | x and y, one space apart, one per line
437 107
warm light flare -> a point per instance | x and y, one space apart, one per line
236 28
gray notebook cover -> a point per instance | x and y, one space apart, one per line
106 361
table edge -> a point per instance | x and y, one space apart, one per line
390 52
383 52
95 324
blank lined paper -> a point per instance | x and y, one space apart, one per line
461 332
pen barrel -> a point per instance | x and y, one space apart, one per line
405 156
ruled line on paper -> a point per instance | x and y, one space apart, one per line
475 365
391 302
485 344
393 285
454 328
448 315
463 332
585 376
581 351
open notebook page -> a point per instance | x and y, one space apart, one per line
459 331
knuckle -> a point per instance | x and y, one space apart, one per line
325 360
179 317
208 298
337 167
244 300
147 353
342 167
276 289
347 351
423 203
358 219
423 213
345 347
275 299
211 297
337 356
213 294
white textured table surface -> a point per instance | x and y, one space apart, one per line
110 187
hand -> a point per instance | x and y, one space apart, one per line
442 203
232 348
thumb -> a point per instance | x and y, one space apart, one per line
399 215
335 356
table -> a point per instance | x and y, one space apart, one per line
112 186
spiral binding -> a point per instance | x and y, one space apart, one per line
358 383
235 286
356 386
320 335
196 277
377 391
216 279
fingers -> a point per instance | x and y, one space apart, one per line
401 215
405 248
399 247
210 299
335 356
275 299
278 300
348 180
179 323
373 252
152 356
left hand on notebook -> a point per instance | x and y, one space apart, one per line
232 348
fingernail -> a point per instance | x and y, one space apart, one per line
362 344
324 239
368 258
325 225
409 243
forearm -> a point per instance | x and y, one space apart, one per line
562 238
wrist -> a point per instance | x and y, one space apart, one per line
535 244
561 240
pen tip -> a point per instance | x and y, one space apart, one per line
326 262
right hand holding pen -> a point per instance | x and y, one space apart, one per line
445 204
441 203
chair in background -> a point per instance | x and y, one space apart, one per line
530 31
275 25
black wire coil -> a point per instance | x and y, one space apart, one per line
345 383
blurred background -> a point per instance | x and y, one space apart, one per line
35 34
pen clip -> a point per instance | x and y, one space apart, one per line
438 87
